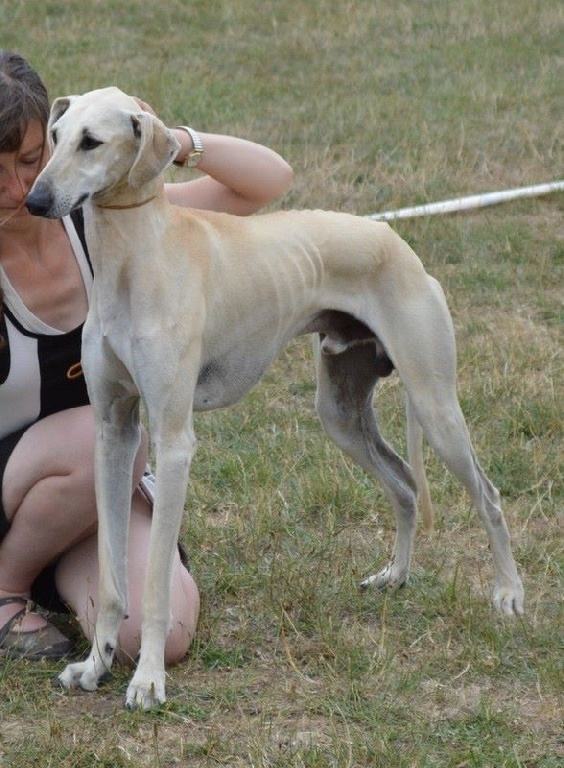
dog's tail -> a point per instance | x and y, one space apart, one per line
415 458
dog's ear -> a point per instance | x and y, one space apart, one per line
157 149
59 107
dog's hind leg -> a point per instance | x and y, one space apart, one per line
344 404
415 458
420 339
446 431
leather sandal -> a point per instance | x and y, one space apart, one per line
43 643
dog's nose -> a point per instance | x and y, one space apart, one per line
39 201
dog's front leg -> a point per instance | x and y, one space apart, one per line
173 454
117 441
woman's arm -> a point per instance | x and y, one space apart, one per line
241 176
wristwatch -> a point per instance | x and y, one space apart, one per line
195 155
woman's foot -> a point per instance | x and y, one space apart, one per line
27 635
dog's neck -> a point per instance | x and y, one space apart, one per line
123 197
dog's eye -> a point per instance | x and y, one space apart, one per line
54 137
89 143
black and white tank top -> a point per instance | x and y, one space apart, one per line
40 368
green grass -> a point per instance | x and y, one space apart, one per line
376 105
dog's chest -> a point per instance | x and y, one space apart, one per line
223 380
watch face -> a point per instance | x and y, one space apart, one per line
194 158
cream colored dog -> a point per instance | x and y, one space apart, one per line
188 310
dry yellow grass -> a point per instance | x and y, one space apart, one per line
377 105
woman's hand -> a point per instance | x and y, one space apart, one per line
241 176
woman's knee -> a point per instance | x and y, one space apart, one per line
185 609
77 582
185 614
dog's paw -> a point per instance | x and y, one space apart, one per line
509 600
390 579
145 692
81 675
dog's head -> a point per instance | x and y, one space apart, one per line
101 143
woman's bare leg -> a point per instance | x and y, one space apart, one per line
48 495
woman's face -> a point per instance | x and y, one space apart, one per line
18 171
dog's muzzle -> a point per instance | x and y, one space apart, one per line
40 201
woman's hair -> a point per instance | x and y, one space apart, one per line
23 98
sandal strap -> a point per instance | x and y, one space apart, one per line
13 599
8 601
43 643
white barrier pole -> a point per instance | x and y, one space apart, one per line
467 203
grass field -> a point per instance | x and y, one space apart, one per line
377 105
